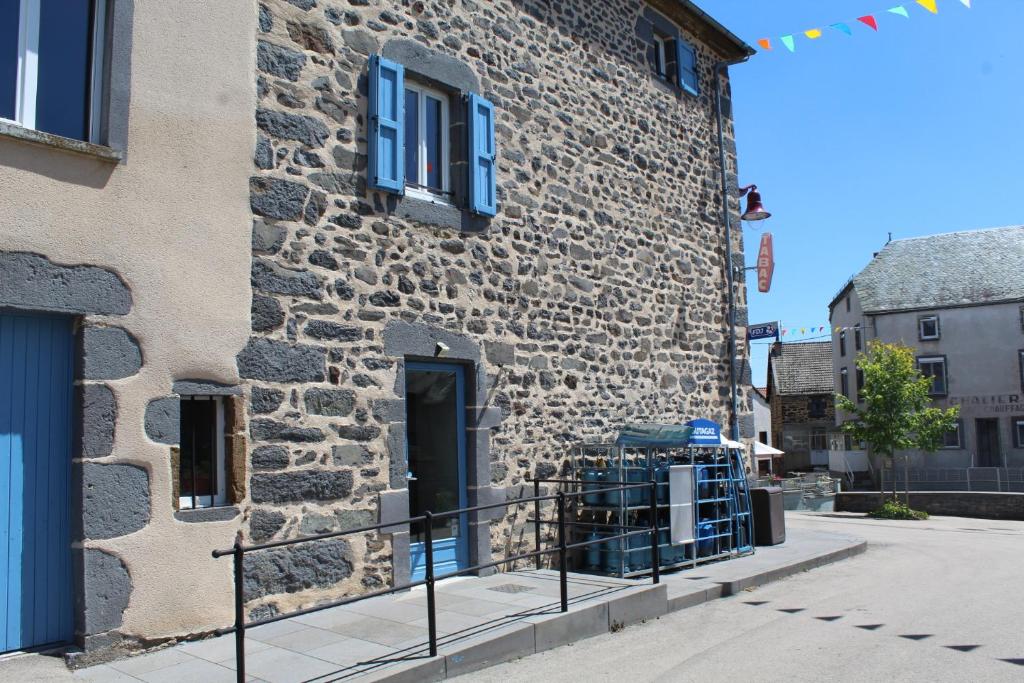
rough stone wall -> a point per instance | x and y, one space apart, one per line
596 295
796 410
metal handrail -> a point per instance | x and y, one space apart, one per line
238 551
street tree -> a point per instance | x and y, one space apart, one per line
896 411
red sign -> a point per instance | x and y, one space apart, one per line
765 263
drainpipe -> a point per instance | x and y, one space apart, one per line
734 422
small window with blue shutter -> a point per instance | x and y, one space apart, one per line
686 65
483 198
386 148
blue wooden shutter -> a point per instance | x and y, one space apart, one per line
686 64
483 194
387 125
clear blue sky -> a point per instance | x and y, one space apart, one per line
916 129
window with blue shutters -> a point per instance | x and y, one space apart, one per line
483 197
686 64
387 125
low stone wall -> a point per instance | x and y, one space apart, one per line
984 505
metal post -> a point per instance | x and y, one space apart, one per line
563 586
239 555
428 542
655 551
536 522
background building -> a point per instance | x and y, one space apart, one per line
802 401
956 298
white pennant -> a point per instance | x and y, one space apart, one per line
966 3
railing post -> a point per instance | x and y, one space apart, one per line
428 543
239 556
655 551
536 523
563 586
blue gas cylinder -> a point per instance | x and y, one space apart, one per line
661 476
592 556
592 485
705 544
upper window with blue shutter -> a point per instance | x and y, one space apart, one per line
387 125
686 65
483 197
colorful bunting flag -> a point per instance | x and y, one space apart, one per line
840 26
869 20
929 5
966 3
813 33
788 42
900 10
765 43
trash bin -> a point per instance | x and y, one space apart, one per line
769 515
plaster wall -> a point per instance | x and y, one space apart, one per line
172 220
982 346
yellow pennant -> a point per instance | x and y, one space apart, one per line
929 5
838 328
816 32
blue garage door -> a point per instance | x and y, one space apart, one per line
35 466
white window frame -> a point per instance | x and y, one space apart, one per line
945 373
920 328
220 497
661 56
26 87
419 190
959 438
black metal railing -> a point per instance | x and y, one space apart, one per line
562 547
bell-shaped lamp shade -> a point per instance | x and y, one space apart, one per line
755 210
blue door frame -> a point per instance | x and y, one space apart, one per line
450 554
36 603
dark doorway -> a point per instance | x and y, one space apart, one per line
436 406
987 431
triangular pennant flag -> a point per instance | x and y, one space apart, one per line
784 332
966 3
869 20
765 43
840 26
900 10
813 33
788 42
838 328
929 5
803 330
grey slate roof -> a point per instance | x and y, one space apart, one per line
802 368
952 269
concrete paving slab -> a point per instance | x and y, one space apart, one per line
381 631
350 651
220 648
305 640
277 665
141 664
193 670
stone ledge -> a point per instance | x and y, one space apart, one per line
38 137
214 514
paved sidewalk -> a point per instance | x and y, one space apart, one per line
481 622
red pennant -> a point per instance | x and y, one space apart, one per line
869 20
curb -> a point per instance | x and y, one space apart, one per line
538 635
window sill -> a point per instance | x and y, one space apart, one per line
36 137
221 513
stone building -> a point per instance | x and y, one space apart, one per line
957 299
802 401
480 232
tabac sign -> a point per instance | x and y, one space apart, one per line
765 263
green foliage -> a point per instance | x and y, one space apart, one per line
897 412
893 509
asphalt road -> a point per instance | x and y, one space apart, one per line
939 600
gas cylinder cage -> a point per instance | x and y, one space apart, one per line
722 523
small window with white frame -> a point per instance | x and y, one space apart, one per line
928 327
51 66
934 368
427 145
202 477
661 52
1018 432
954 437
